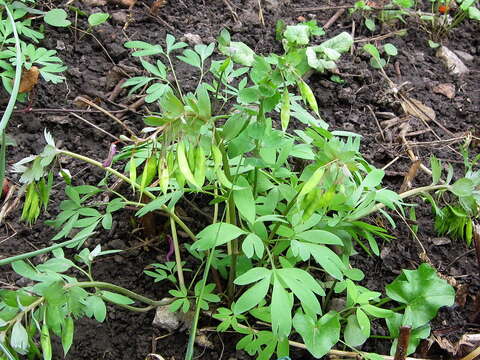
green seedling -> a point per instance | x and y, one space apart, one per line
376 61
97 19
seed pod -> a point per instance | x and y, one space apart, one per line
217 156
67 334
285 110
45 342
200 166
180 178
183 165
149 172
28 201
163 174
217 160
191 157
312 202
171 162
307 95
34 205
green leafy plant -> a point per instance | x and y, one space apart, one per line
376 61
444 15
46 61
455 216
288 208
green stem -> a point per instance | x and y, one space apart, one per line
18 75
119 290
398 308
31 254
193 329
232 218
178 256
13 96
404 195
175 77
6 351
129 307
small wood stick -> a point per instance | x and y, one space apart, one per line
109 114
402 345
376 121
334 18
476 241
116 91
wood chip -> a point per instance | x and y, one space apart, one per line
445 89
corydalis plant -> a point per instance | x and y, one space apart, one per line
281 234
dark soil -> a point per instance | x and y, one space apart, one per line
348 106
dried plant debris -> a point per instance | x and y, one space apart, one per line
29 79
154 9
416 108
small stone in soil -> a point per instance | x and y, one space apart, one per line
440 241
120 17
60 45
95 2
464 55
193 39
453 63
165 319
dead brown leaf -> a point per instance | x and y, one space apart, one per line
125 3
202 340
157 5
461 295
465 345
416 108
29 79
445 89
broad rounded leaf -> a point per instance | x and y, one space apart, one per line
390 49
353 334
215 235
319 336
97 19
462 187
57 17
423 292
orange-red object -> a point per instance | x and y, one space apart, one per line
5 187
443 9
